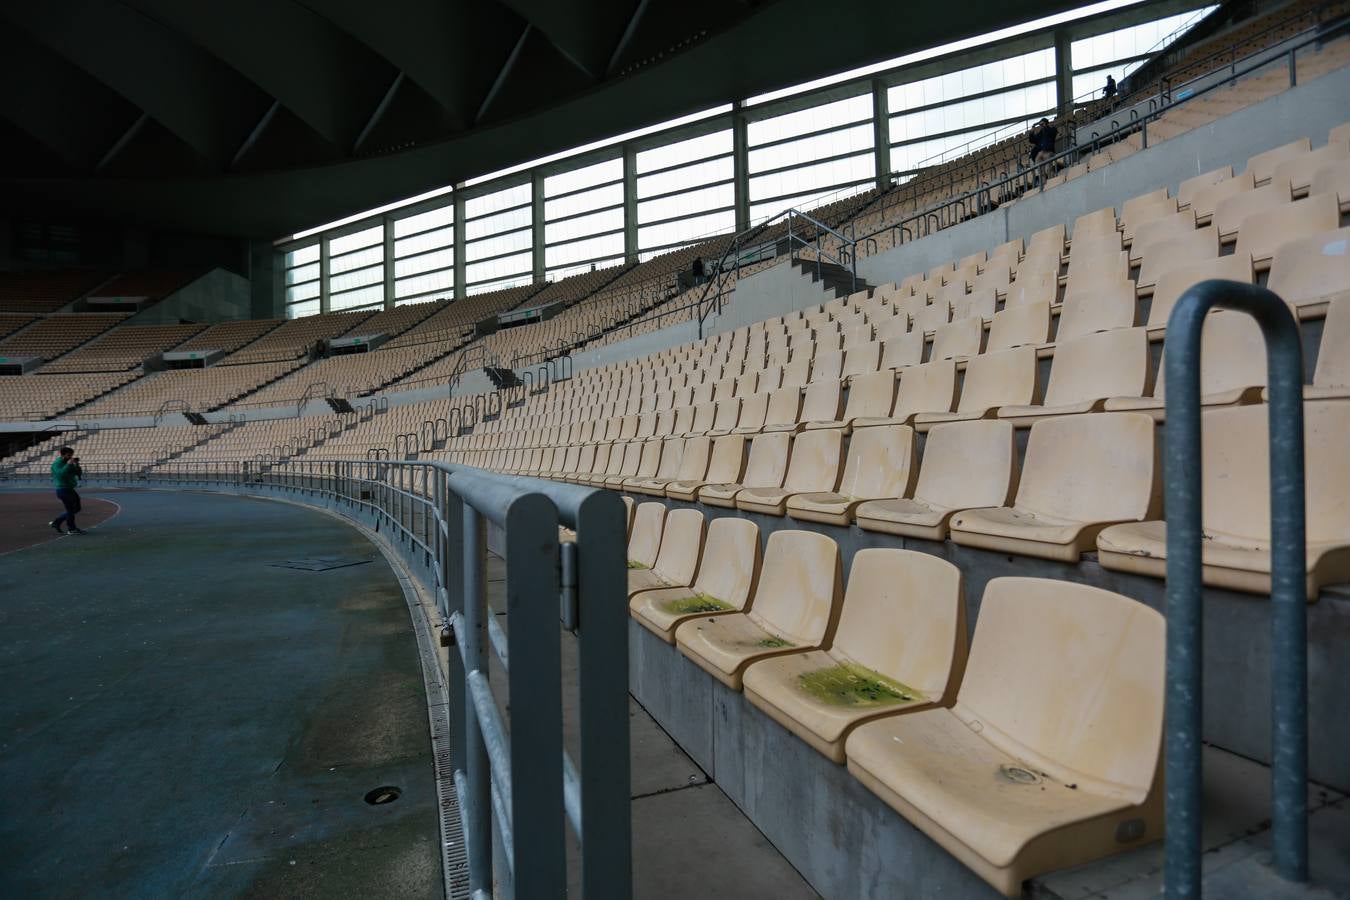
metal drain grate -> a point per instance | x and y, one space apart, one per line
321 563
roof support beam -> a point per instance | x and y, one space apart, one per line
627 38
120 144
500 80
256 133
379 112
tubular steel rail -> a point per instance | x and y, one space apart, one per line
510 770
1288 588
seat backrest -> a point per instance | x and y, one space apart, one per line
692 459
930 387
644 541
1070 678
704 414
672 458
1034 286
1171 286
822 401
904 616
1171 251
586 459
753 410
892 328
967 465
799 588
681 546
977 304
1332 178
1301 169
1163 226
1101 221
816 457
861 359
903 350
1236 470
785 406
1262 165
1016 326
1231 211
768 460
1002 378
684 420
649 461
796 372
1088 273
1310 268
1096 467
880 463
1232 354
1047 239
996 275
1261 233
727 462
1333 356
769 380
726 415
1146 206
827 365
933 316
1207 199
871 396
730 565
1107 308
1100 365
1187 191
958 339
628 463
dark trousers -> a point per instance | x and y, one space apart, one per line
71 501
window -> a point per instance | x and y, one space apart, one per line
682 152
498 237
302 281
805 121
807 161
687 187
307 308
586 176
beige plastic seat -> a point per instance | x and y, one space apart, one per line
1081 474
1189 188
1262 166
932 317
902 350
1232 367
821 402
726 578
1017 326
1334 179
860 360
783 412
673 463
677 560
978 305
649 462
871 396
726 418
880 465
765 467
1331 378
1052 755
1047 240
644 538
827 365
725 466
930 387
1261 233
958 340
1235 516
1171 286
1098 222
1088 370
1143 209
1207 199
993 380
627 468
900 647
1233 211
794 608
812 468
1034 286
1311 271
754 411
1108 308
1159 230
966 465
1174 251
1300 170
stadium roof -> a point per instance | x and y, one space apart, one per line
261 117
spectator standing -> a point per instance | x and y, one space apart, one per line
66 474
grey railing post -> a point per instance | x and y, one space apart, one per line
1288 594
477 800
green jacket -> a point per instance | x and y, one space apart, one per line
64 474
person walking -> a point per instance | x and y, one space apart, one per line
66 474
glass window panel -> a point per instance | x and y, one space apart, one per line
365 238
569 229
302 292
684 151
426 262
686 230
810 149
349 299
360 258
817 118
580 251
520 263
356 278
495 224
696 175
306 308
990 76
931 152
969 114
688 203
805 201
1134 40
443 280
599 198
445 215
302 256
796 181
495 246
302 273
575 180
429 240
497 201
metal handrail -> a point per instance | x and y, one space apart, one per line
1185 565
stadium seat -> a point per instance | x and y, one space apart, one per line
677 560
1261 233
1109 307
678 456
900 647
813 467
725 466
726 578
966 465
880 464
1051 756
958 340
794 608
1312 270
1081 474
1206 199
1191 187
871 396
1262 166
993 380
1168 252
1171 286
1086 371
1153 231
1034 286
822 401
1019 326
644 539
764 468
1235 489
1333 179
1301 169
1331 378
902 350
1232 211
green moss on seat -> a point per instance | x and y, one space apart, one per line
698 603
848 684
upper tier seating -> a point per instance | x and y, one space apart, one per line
123 348
50 337
45 292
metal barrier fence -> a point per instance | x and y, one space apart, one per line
514 779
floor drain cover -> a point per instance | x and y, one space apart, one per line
321 563
383 795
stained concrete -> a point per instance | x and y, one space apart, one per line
182 719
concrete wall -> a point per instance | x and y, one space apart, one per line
217 296
773 292
1310 109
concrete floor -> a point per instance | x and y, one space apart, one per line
181 718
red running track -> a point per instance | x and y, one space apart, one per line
24 518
